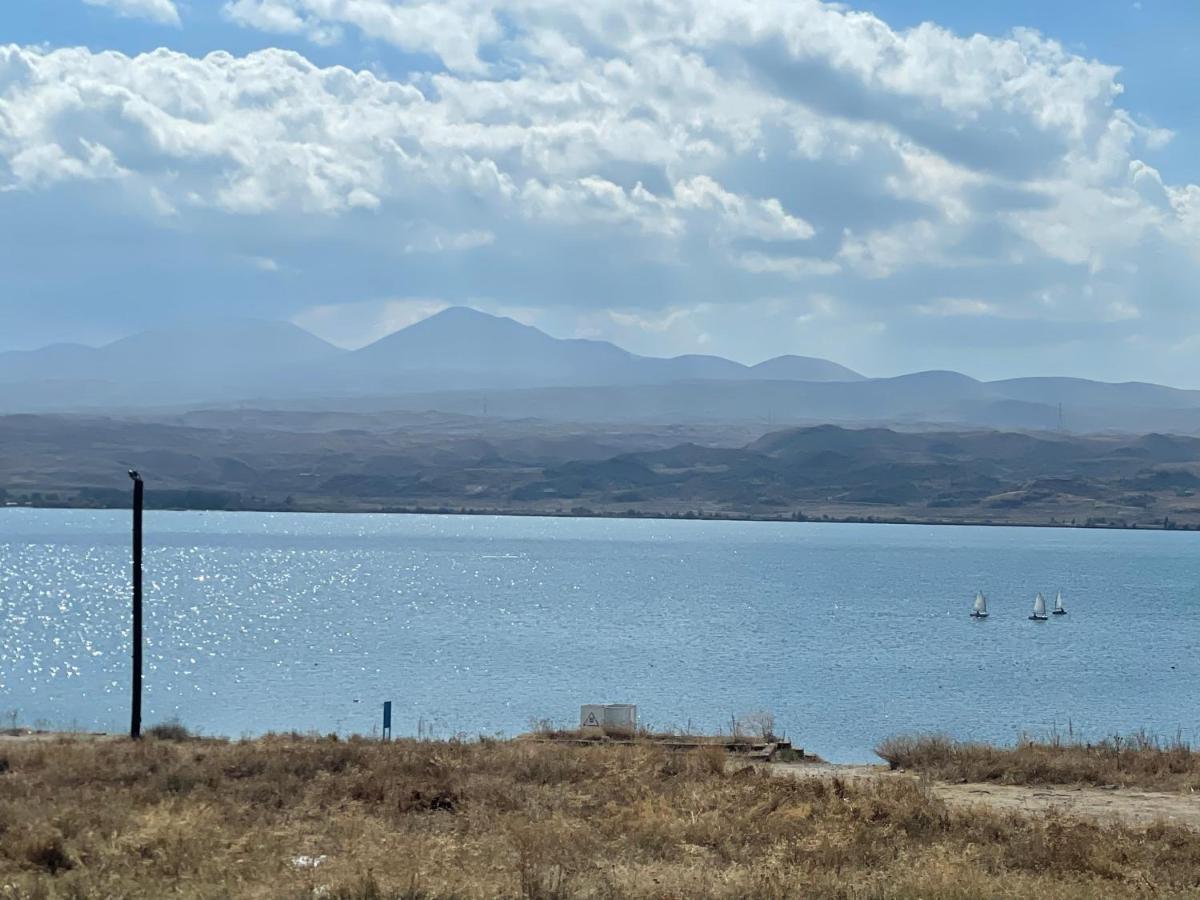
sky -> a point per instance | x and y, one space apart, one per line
1001 189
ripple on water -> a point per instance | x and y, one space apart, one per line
847 633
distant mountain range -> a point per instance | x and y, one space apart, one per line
456 349
463 361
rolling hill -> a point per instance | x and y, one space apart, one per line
431 461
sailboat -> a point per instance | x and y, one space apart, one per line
1039 608
980 610
1059 609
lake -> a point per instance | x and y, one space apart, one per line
481 625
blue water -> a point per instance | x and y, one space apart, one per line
846 633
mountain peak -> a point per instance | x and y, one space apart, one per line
464 347
465 314
803 368
457 331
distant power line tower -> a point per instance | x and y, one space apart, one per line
1060 418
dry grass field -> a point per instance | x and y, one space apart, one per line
1137 761
293 817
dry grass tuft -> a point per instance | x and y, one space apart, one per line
1139 761
172 730
290 817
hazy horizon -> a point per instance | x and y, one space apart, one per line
893 185
201 324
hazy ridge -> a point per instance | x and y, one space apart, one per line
432 461
466 411
465 362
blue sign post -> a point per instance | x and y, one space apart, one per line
387 720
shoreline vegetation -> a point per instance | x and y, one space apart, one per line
699 515
291 816
1140 760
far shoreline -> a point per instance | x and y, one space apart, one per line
633 515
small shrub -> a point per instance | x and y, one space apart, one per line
367 887
46 851
759 725
713 759
916 751
171 730
443 800
793 755
180 782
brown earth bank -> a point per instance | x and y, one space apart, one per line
290 816
439 464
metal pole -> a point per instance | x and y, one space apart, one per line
135 719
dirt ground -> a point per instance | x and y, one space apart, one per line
1098 804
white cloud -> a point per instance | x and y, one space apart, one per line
747 330
884 251
658 323
281 18
354 325
426 238
796 267
955 306
644 158
762 219
1186 203
263 263
162 11
453 30
46 163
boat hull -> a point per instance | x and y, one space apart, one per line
978 615
1038 618
1060 612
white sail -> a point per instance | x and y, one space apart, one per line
980 604
1058 604
1039 605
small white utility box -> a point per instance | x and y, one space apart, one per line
608 716
622 716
